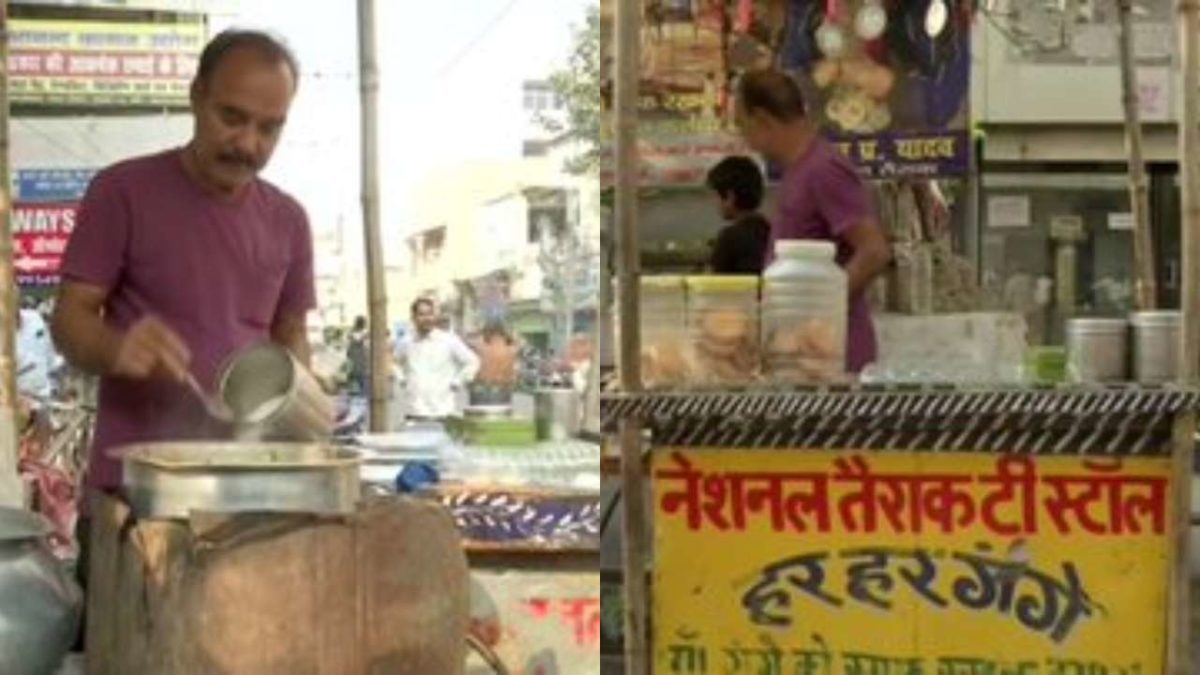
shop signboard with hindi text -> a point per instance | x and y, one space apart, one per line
886 81
45 203
902 563
101 63
536 621
40 236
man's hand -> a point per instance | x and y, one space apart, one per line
150 349
147 349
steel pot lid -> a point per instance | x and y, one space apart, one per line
1097 325
21 525
1160 318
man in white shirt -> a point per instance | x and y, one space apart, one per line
436 364
36 358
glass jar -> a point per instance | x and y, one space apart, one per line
804 307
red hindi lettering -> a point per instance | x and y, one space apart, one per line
1074 495
583 615
1125 511
1015 480
943 500
814 503
767 495
788 507
539 607
1153 505
721 490
868 499
687 500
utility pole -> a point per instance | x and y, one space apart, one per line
10 485
633 469
1145 279
377 304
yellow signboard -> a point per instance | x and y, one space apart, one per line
890 563
102 63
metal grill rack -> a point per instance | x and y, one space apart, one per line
1107 421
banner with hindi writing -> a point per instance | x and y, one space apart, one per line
888 81
894 563
103 63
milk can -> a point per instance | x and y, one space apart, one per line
40 603
1156 346
1097 350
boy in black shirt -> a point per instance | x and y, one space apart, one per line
741 246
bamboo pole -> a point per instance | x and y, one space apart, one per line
628 76
10 485
1145 280
1179 600
376 283
1189 155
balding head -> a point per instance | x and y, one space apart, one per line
773 93
771 114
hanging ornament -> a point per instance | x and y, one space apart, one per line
871 20
936 18
831 40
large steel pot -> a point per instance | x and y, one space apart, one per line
171 480
40 604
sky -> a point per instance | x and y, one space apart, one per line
451 74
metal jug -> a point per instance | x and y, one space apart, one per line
40 604
272 396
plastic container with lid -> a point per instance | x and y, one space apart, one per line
723 319
804 314
665 355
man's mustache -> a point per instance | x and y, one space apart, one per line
237 158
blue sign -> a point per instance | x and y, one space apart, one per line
51 185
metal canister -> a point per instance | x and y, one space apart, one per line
1156 346
557 414
1098 350
274 397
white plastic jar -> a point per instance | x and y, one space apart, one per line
804 314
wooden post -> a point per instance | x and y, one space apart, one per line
1189 155
634 538
10 486
377 304
1179 628
1145 280
628 76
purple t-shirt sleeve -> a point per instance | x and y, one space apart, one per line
841 198
96 251
299 289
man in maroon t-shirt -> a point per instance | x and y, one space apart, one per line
181 258
821 195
